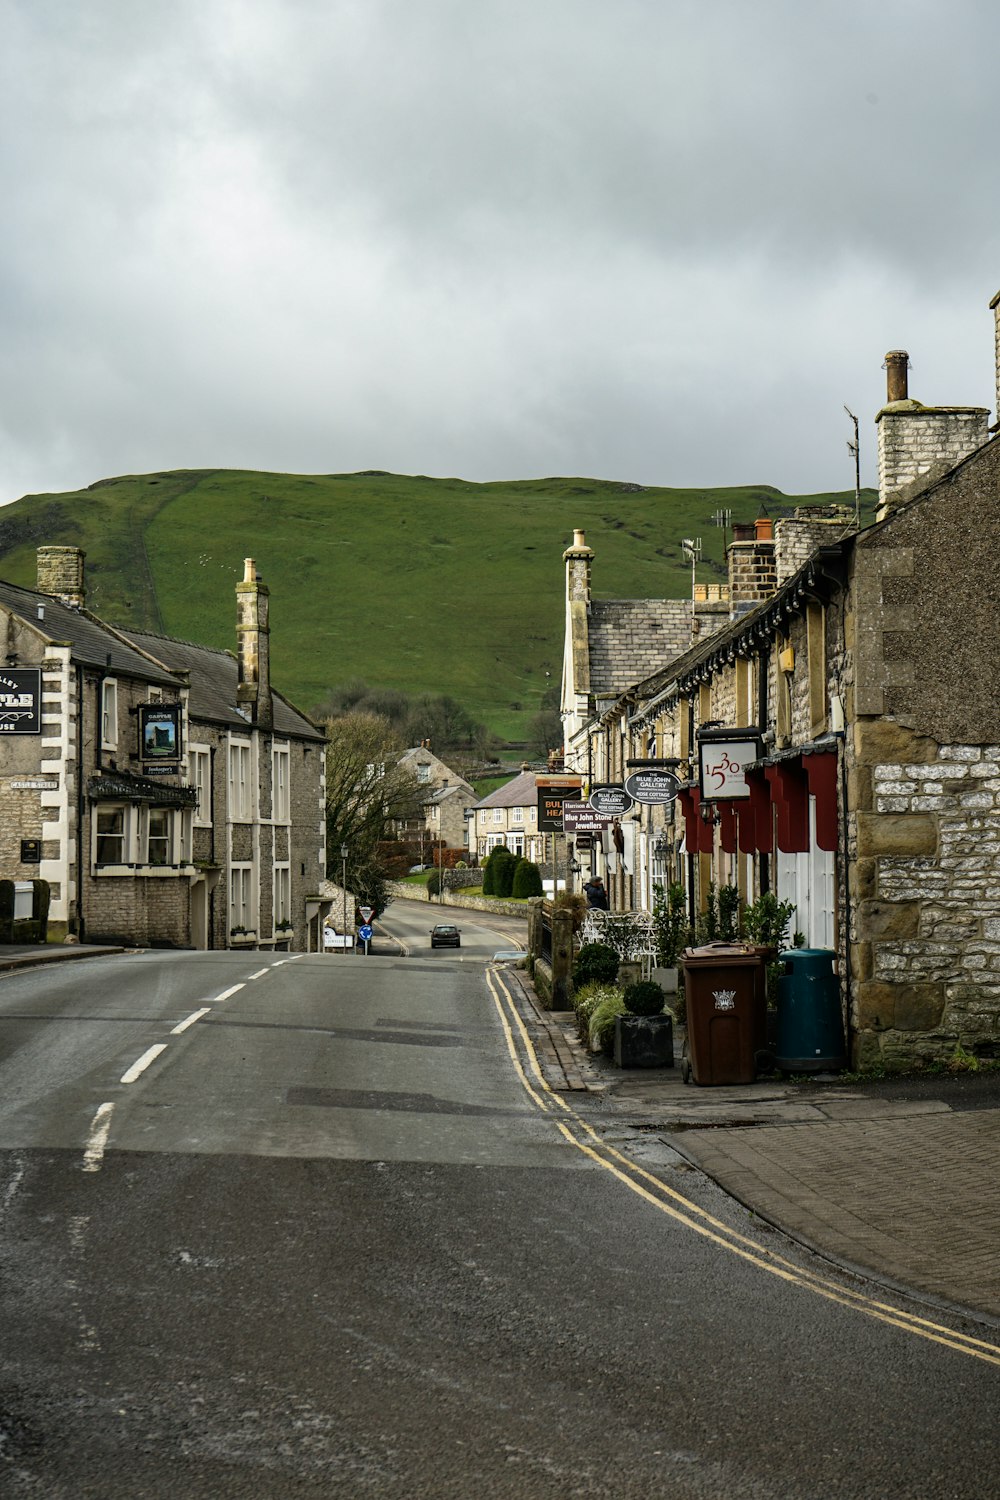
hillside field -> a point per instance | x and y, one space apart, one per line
427 585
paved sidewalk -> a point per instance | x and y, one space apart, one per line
896 1180
27 955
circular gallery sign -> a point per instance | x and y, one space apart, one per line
652 787
612 801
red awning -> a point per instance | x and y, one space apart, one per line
790 793
821 775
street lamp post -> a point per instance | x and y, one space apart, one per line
343 882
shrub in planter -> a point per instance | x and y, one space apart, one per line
586 1001
596 961
644 998
601 1035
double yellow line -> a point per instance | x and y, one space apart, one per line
577 1133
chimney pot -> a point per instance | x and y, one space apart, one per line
897 362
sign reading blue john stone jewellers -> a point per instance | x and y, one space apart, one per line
612 800
652 787
160 737
20 700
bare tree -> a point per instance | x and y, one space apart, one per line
366 791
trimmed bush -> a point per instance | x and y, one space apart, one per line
527 880
506 864
601 1034
596 961
644 999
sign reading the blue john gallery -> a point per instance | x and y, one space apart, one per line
159 735
20 700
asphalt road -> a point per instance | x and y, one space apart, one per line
333 1240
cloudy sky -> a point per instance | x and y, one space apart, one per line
662 241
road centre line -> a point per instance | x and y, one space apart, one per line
93 1155
195 1015
655 1192
226 993
142 1063
260 973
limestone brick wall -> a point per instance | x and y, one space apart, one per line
753 574
797 537
915 440
925 839
140 912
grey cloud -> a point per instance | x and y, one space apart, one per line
661 241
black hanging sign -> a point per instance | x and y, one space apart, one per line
20 700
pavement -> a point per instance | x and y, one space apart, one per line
896 1180
29 955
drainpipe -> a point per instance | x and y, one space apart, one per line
764 862
79 804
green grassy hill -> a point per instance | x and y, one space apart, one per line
428 585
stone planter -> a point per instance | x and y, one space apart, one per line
644 1041
666 979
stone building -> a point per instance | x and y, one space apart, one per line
863 686
508 816
168 794
446 799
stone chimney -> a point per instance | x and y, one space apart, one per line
578 559
60 572
917 442
753 575
798 536
254 652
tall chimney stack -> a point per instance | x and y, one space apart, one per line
60 572
254 653
919 442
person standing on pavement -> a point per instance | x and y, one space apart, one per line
595 893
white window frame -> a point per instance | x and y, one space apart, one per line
240 781
484 816
281 802
282 892
498 815
241 913
155 815
126 835
200 777
109 713
517 815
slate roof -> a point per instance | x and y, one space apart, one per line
91 642
630 639
520 791
214 679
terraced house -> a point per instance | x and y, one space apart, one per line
167 793
838 739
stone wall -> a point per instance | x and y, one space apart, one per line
925 841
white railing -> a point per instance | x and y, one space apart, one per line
630 933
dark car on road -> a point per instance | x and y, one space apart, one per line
444 935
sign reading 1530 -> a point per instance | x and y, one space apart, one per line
722 766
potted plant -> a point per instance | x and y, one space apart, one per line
670 924
644 1035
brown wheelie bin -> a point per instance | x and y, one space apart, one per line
726 1001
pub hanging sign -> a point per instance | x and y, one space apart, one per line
160 738
20 700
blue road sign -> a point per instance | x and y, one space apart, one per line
365 933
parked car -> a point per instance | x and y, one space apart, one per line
444 935
417 869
